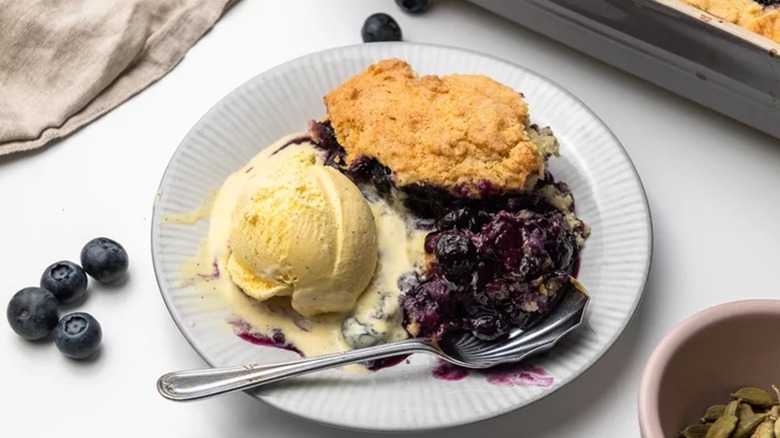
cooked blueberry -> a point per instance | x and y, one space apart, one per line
464 218
768 2
78 335
104 259
278 338
32 313
437 289
500 240
429 245
489 326
369 170
380 27
412 6
323 135
460 218
455 253
361 169
381 177
358 334
66 280
421 309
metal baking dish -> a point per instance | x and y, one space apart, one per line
687 51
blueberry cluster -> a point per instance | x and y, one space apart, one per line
499 261
33 311
493 271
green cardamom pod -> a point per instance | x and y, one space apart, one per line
695 431
713 413
777 392
755 396
764 431
745 412
723 426
777 427
774 413
731 408
746 428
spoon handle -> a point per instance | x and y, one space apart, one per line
197 384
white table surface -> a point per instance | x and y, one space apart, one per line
711 183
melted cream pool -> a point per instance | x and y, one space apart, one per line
377 317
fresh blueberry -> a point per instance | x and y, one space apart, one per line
78 335
32 313
380 27
455 253
412 6
464 219
104 259
66 280
489 326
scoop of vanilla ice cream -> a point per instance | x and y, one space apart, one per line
303 231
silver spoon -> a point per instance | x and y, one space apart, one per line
464 350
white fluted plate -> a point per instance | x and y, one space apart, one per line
608 193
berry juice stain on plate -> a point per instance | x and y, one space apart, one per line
243 330
450 372
518 375
502 375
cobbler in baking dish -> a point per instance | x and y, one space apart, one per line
759 16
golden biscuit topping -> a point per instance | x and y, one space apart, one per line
455 132
767 25
739 12
746 13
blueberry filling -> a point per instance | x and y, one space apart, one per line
497 262
504 274
369 170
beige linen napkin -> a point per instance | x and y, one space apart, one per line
64 63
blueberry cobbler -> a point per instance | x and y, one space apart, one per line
759 16
420 206
460 154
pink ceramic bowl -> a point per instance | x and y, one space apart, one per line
704 359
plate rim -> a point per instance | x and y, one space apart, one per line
648 225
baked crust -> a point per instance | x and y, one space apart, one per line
741 12
746 13
767 25
458 132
